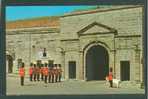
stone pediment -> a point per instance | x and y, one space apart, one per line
96 28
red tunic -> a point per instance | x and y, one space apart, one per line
110 77
46 71
37 70
50 71
56 72
21 72
30 70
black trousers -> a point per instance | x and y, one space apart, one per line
22 81
52 78
111 83
45 79
56 78
31 77
38 77
42 76
49 78
34 77
59 78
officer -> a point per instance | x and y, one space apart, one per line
22 74
42 73
34 72
59 72
46 71
31 71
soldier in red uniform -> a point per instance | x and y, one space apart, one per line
38 73
56 72
42 73
31 71
34 72
110 78
59 72
22 74
52 73
46 71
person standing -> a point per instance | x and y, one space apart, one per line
56 72
34 72
38 73
42 72
46 71
59 73
50 75
22 74
31 71
110 78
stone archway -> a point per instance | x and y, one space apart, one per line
96 62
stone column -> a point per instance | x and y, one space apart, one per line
63 63
112 62
137 65
82 67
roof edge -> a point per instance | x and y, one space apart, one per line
103 10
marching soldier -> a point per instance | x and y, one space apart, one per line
46 71
31 71
59 73
22 74
34 72
42 73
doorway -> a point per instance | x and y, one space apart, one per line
97 63
72 69
125 70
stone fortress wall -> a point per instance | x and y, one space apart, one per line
118 30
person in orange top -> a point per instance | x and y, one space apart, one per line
31 71
22 74
46 71
110 78
42 73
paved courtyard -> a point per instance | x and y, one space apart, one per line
71 87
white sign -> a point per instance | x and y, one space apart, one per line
40 54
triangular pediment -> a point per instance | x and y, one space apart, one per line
96 28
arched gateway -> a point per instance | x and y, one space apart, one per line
96 62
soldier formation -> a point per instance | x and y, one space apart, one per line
45 72
49 73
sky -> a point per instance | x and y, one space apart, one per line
26 12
